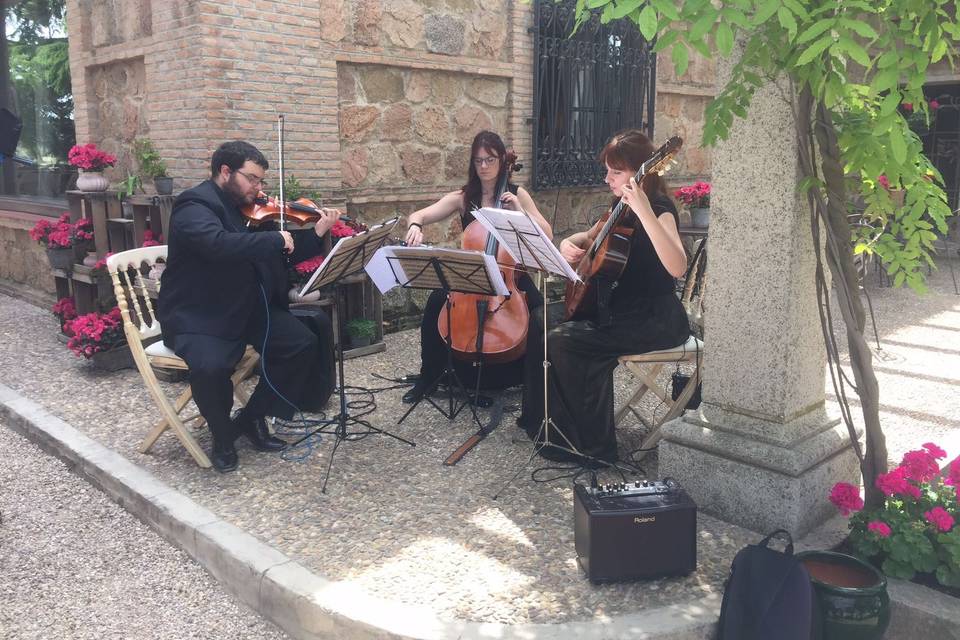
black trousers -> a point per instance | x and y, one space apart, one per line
433 349
295 369
583 355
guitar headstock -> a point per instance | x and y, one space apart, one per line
662 159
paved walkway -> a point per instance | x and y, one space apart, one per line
74 564
397 524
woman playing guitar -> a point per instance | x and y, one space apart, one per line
635 313
487 166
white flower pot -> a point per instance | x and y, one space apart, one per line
92 181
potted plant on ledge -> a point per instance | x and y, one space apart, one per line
99 337
66 243
153 166
361 331
91 162
697 198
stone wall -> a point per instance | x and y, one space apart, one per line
23 260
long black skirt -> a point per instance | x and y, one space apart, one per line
582 357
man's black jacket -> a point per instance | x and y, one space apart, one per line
216 266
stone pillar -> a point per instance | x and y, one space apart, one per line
761 451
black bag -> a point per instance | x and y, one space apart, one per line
679 383
769 596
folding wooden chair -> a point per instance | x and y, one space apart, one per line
646 367
133 291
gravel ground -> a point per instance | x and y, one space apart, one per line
76 565
399 524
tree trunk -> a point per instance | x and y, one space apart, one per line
846 283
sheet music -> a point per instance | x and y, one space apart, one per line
411 266
525 241
350 255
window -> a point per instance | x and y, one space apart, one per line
35 87
586 88
941 136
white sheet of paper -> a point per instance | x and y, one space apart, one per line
387 274
543 250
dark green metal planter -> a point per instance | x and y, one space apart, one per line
851 613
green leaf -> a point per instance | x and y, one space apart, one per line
814 50
680 57
897 569
815 29
856 52
890 103
596 4
787 21
898 146
724 39
939 50
861 28
666 40
648 22
703 24
765 12
797 9
667 8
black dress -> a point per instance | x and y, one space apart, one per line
433 349
645 315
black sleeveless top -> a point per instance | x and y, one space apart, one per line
466 217
644 275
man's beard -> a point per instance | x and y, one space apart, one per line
236 193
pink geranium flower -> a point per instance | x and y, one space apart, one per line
919 465
934 450
940 518
896 483
884 182
89 158
882 529
846 498
934 105
953 476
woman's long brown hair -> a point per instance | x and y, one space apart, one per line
626 151
492 143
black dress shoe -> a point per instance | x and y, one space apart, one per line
223 458
416 393
256 431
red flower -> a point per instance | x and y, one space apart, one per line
95 332
896 482
934 105
341 230
907 106
846 498
695 195
307 267
63 233
89 158
940 518
882 529
102 262
953 476
65 309
919 465
884 182
934 450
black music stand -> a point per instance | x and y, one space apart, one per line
449 270
349 256
526 242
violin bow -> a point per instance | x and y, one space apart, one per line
283 199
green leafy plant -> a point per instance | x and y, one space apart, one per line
129 187
151 164
914 529
849 66
361 328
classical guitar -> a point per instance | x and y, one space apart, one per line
610 248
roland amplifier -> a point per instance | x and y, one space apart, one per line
634 530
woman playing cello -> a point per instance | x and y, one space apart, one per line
644 314
487 166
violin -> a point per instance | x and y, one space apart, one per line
489 328
301 211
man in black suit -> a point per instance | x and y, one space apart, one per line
225 287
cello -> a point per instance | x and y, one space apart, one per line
490 329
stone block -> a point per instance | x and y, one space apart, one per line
357 121
367 17
417 88
431 125
354 167
419 165
403 23
397 123
333 20
489 92
380 84
468 121
446 88
456 163
444 34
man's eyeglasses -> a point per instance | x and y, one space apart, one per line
489 161
254 181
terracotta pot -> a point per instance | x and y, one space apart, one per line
852 594
92 181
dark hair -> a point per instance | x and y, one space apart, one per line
234 154
472 191
629 149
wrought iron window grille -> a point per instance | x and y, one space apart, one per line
586 88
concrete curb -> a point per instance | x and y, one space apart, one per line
307 606
302 603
